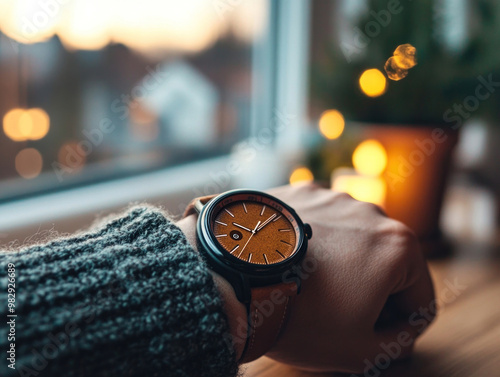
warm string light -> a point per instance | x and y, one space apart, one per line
22 125
373 82
331 124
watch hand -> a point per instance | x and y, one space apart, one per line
249 238
255 229
242 227
266 222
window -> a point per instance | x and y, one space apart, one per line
94 90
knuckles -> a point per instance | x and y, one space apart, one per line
400 242
342 196
398 234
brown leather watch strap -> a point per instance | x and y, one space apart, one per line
267 316
268 310
191 207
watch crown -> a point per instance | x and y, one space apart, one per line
308 231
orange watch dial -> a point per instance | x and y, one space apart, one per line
256 231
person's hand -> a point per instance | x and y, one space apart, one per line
366 289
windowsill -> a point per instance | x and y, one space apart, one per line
70 210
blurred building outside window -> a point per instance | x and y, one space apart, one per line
96 90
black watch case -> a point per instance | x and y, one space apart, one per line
243 275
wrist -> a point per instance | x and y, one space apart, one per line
235 310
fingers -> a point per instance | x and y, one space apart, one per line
396 342
411 306
413 310
416 310
414 295
416 303
410 285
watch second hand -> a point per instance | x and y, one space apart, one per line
249 238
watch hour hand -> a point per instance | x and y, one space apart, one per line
242 227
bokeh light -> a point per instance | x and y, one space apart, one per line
85 25
301 175
29 163
394 72
188 25
372 82
362 188
331 124
405 58
25 124
26 21
370 158
11 122
70 158
22 125
40 124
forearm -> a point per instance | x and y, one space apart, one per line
235 310
130 298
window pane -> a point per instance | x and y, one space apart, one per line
93 90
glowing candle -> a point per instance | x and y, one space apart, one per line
363 188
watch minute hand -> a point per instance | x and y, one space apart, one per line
266 222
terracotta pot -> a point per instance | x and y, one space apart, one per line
416 175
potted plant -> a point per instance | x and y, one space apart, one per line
417 118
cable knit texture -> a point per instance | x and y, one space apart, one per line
129 298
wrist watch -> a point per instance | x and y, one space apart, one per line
256 242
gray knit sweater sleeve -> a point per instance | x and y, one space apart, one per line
129 298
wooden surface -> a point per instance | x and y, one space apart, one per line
465 338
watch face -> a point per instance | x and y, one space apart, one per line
255 228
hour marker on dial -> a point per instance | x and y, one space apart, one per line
280 254
229 212
249 257
221 235
265 258
263 209
220 222
244 207
234 249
